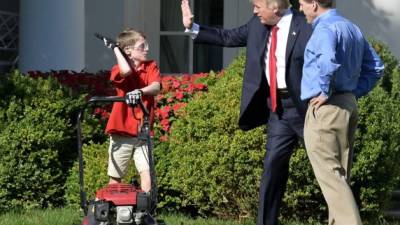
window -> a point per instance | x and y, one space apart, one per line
178 54
8 40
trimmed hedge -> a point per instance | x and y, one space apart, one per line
208 166
37 143
212 164
214 168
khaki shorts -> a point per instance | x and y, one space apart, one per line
120 152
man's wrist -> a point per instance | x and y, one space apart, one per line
190 26
193 31
324 95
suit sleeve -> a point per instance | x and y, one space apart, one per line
236 37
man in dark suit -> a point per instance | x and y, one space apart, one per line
275 38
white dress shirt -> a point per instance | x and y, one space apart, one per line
282 38
194 31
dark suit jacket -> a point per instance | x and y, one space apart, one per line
254 35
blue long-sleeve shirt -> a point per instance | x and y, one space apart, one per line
338 58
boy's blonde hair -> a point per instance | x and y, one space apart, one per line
129 37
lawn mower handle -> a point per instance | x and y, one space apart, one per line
108 99
93 101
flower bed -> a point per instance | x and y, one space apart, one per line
177 91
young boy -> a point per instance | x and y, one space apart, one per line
139 78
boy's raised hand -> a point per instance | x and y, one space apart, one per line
187 16
109 43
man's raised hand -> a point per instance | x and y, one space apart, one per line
187 16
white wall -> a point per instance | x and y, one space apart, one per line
58 34
105 17
51 35
110 18
377 18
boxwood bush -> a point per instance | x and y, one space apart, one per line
213 167
207 166
213 164
37 143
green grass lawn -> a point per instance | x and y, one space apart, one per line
74 217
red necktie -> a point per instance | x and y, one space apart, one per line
272 68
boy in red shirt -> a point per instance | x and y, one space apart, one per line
136 77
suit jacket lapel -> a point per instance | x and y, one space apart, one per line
294 32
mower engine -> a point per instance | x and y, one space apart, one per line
119 204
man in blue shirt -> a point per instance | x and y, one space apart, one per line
339 66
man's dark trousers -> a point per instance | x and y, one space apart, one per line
285 127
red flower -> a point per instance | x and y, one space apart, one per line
190 89
176 83
166 85
105 115
179 95
200 86
97 111
186 77
101 112
157 112
170 99
159 97
178 106
197 76
165 112
165 124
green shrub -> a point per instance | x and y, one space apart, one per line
37 141
214 168
376 171
212 165
391 63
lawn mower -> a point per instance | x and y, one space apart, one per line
122 203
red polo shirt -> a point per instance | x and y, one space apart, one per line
123 120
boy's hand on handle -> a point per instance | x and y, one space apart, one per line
133 98
187 16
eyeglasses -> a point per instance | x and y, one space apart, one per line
142 47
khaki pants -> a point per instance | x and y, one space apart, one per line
329 137
122 149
